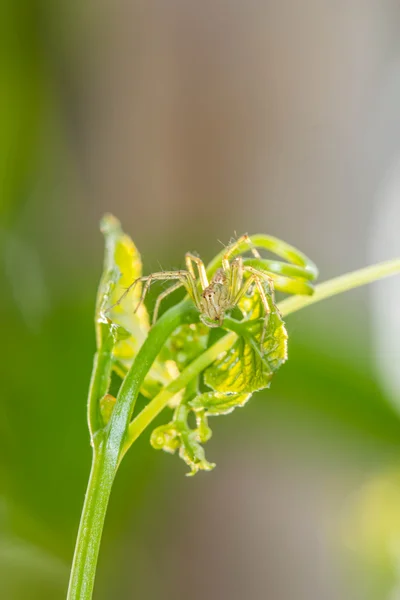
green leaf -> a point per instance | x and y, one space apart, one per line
249 365
128 328
165 437
287 278
193 453
178 435
123 265
218 403
186 344
203 430
183 347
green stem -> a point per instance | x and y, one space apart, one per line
184 312
341 284
99 386
91 526
109 446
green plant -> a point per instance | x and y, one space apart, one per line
176 363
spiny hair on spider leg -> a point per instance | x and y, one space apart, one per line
232 240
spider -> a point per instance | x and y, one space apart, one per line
225 290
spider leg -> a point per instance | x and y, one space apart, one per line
265 304
236 279
126 292
161 298
234 248
262 276
192 258
184 278
257 277
247 284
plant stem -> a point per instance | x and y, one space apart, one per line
99 386
91 526
184 312
108 446
341 284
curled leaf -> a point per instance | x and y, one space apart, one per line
165 437
203 430
218 403
178 435
193 454
121 315
123 265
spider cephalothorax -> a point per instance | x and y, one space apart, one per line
215 300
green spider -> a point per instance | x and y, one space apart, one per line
235 278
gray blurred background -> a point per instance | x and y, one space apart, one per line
192 122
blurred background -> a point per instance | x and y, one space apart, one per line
190 122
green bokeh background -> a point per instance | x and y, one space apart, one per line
304 497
